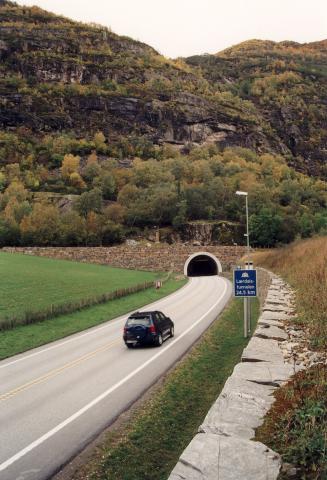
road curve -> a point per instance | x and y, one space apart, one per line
55 399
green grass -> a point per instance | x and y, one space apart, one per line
31 283
149 444
25 337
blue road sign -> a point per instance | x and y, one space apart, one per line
245 283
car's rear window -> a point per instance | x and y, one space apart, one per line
139 321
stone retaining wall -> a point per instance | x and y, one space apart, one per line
152 257
223 449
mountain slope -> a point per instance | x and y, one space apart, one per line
287 83
60 75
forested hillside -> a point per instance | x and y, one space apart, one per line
101 137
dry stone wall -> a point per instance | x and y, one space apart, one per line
152 256
223 448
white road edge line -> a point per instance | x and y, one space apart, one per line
93 330
94 402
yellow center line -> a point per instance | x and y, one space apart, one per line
57 371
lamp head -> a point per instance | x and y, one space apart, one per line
241 193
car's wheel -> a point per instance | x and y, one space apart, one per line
172 332
159 340
129 345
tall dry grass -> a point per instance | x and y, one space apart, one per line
296 426
304 265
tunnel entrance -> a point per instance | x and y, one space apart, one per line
202 264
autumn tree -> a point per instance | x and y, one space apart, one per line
92 168
99 141
42 226
14 191
115 213
70 164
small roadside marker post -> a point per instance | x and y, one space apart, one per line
245 286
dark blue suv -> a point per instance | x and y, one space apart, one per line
143 328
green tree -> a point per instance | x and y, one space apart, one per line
181 215
306 224
89 202
111 233
264 228
9 233
73 229
106 183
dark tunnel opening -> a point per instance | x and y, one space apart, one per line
201 266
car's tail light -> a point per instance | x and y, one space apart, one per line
125 330
152 328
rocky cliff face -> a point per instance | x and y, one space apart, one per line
287 84
59 75
212 233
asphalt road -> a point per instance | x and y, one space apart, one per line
55 399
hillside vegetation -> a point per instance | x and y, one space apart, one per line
101 137
112 202
296 426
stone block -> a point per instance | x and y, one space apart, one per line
262 350
279 316
272 323
217 457
272 307
238 384
236 413
263 373
270 332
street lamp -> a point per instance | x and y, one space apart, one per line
245 194
247 302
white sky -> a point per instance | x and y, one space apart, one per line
189 27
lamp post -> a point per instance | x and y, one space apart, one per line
247 303
245 194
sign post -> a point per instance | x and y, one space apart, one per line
245 286
249 266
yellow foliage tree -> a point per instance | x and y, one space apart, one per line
70 164
92 159
42 226
99 140
76 180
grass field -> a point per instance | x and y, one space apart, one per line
31 283
25 337
148 445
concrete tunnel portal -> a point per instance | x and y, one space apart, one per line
202 264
